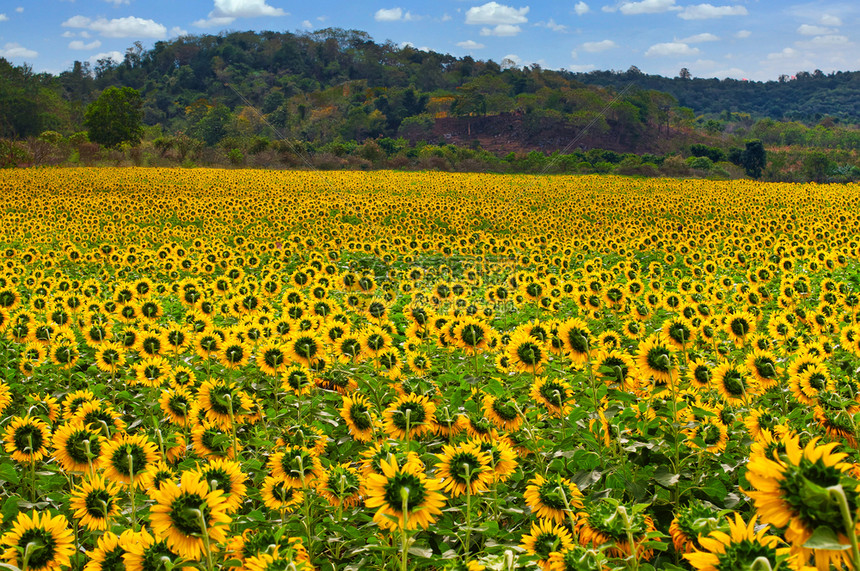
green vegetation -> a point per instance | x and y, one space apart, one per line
336 99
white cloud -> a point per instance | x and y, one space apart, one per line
118 2
129 27
12 50
786 53
68 34
602 46
393 15
226 12
446 17
648 7
807 30
573 54
511 60
552 25
829 40
3 17
114 55
471 45
580 68
176 32
743 34
502 31
830 20
79 45
581 8
493 14
708 11
307 24
671 49
19 9
699 38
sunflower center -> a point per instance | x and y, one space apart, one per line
45 549
184 513
529 353
358 413
99 503
472 334
550 494
28 439
504 410
219 480
742 555
465 467
120 460
416 492
739 327
658 359
803 480
415 412
113 561
76 446
733 382
578 340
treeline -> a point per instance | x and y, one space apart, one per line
804 96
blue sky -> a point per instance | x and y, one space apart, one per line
753 39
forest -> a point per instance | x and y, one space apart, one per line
337 99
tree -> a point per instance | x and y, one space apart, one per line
754 158
685 73
116 117
817 166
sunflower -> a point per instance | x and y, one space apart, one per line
577 558
544 538
101 416
404 496
740 327
64 355
305 348
143 553
761 419
614 366
184 512
298 379
271 358
39 542
577 339
373 341
472 335
807 385
762 364
5 396
110 357
280 495
357 413
159 474
502 412
409 416
77 446
741 548
691 522
296 465
656 360
679 332
599 524
341 485
211 441
107 555
176 404
151 371
554 394
94 502
127 458
527 354
464 468
227 476
27 438
553 498
223 403
734 383
708 433
791 491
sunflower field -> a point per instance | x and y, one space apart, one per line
249 370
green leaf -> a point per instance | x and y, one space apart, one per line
8 473
422 552
825 538
665 477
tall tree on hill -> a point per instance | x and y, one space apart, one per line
116 117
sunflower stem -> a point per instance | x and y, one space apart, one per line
306 508
634 554
204 532
131 492
28 551
32 469
404 534
468 543
837 493
229 398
